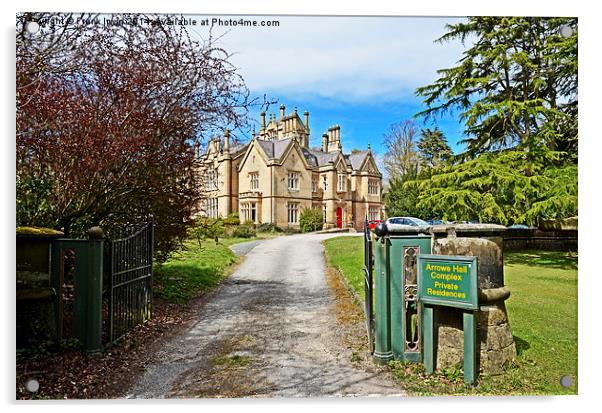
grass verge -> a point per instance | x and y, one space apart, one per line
192 270
543 316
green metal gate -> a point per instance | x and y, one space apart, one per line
130 281
368 285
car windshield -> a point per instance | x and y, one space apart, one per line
418 221
395 221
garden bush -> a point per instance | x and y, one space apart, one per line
207 228
232 221
267 227
244 231
311 219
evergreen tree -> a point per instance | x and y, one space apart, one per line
516 85
433 148
492 188
402 200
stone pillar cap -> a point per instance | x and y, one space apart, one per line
95 233
398 229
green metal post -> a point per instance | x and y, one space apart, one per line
89 297
428 329
396 298
399 244
470 343
382 347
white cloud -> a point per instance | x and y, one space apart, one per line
349 58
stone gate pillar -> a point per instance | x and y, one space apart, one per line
495 344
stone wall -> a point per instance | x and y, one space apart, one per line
535 239
495 343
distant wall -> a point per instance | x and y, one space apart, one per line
535 239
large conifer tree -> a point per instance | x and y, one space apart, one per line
516 86
516 90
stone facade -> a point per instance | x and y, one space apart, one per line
276 175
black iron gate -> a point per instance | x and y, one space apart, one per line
368 285
130 281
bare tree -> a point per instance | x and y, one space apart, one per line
401 158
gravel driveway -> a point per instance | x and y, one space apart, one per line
270 330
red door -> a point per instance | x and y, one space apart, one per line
340 217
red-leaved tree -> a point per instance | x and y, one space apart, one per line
108 118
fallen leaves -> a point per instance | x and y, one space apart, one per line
73 374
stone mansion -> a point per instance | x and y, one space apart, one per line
272 178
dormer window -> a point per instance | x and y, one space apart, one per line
342 183
254 177
293 181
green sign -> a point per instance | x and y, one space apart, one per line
449 281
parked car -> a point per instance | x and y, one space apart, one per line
409 221
372 224
518 226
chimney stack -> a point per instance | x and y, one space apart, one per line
262 115
306 115
334 138
325 142
227 140
282 108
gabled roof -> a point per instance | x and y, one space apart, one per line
274 149
314 157
310 157
238 148
357 159
267 147
323 158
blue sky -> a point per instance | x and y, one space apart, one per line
358 72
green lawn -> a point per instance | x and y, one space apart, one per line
192 270
347 254
543 315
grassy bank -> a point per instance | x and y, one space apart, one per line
543 315
192 270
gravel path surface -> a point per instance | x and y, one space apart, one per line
270 330
244 247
